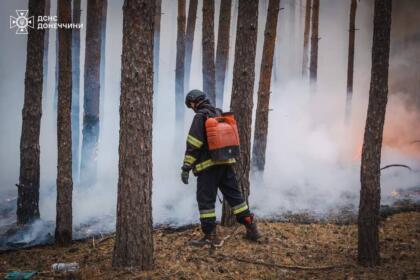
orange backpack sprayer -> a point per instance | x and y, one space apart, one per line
222 137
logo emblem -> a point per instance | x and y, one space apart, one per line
22 22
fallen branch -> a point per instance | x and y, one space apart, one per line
105 239
396 165
283 266
230 234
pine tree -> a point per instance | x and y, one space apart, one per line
313 69
103 62
208 50
242 91
63 230
75 111
88 164
261 118
156 47
222 52
28 187
179 71
134 240
305 60
46 48
56 67
370 193
350 63
189 39
292 31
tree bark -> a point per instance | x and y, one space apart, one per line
28 187
134 240
370 193
103 63
306 32
63 230
189 39
156 47
242 91
350 63
222 51
232 40
261 118
75 119
313 69
179 71
90 131
208 50
292 28
56 68
46 47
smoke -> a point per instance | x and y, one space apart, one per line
313 159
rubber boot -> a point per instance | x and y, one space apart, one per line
252 232
208 239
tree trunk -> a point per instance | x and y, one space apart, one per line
88 163
292 38
189 39
46 47
350 63
313 69
242 91
208 50
232 40
103 63
301 19
56 68
179 71
306 32
261 118
28 187
134 240
370 193
75 119
156 47
222 51
63 230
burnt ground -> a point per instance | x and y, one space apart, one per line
288 251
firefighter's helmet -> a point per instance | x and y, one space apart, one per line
195 96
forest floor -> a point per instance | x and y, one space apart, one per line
288 251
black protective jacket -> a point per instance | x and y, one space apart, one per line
197 155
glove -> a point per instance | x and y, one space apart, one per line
184 176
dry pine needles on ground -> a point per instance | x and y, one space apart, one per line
288 251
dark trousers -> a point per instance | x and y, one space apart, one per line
208 181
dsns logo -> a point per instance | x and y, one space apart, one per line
21 22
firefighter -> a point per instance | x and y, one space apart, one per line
212 175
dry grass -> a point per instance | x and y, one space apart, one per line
289 251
